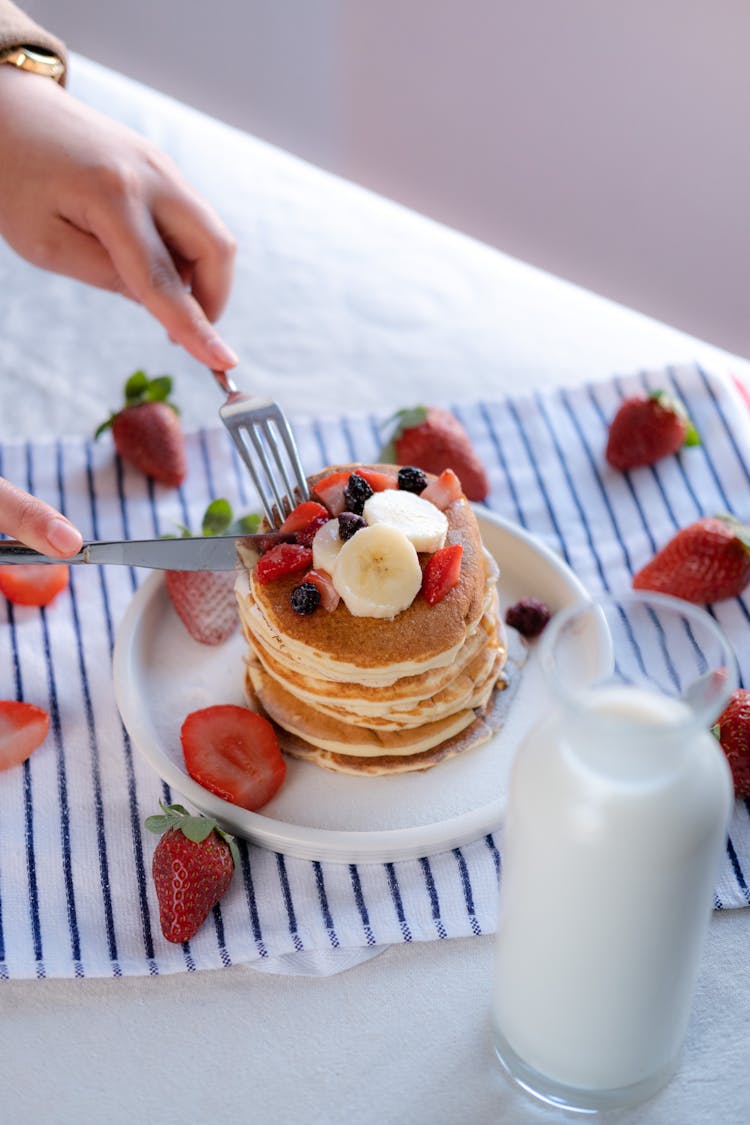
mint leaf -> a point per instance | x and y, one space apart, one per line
217 517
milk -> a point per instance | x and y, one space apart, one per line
617 816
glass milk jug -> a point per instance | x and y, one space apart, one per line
618 806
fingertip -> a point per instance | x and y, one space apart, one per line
222 356
63 538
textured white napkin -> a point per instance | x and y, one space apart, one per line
76 897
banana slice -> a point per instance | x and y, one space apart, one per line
377 572
424 525
326 546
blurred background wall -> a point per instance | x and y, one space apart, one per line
607 143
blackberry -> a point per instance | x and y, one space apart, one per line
349 524
305 598
411 479
356 492
529 616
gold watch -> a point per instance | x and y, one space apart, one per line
36 59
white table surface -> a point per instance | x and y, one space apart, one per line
344 299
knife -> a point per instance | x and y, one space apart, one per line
199 552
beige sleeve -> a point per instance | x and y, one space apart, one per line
19 30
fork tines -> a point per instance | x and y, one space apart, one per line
267 446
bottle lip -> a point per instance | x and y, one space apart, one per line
706 694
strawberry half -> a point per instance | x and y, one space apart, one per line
234 753
23 727
647 428
205 603
705 562
433 439
33 583
732 729
204 599
192 868
147 431
441 573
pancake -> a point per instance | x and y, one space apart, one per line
368 695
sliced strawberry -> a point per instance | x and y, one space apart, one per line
234 753
310 530
23 727
441 573
330 491
378 481
284 558
444 490
329 595
205 602
33 583
303 515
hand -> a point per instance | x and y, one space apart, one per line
35 523
82 195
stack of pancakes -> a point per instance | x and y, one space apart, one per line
371 696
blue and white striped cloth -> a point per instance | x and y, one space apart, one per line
76 896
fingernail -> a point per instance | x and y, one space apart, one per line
223 355
63 537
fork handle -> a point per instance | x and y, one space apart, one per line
225 381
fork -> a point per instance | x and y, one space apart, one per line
262 434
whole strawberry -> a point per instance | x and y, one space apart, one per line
147 431
732 729
647 428
204 599
432 439
192 868
705 562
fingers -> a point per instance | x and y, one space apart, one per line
196 237
36 523
153 273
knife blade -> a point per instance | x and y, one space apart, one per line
199 552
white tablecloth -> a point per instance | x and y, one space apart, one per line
340 297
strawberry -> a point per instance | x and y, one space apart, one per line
303 515
147 431
204 599
329 595
33 583
192 868
307 533
233 752
647 428
377 480
441 573
443 490
284 558
330 491
705 562
23 727
732 729
433 439
205 603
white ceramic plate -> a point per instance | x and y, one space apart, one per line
161 675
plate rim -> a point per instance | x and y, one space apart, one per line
324 844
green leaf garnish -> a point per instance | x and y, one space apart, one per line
217 517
